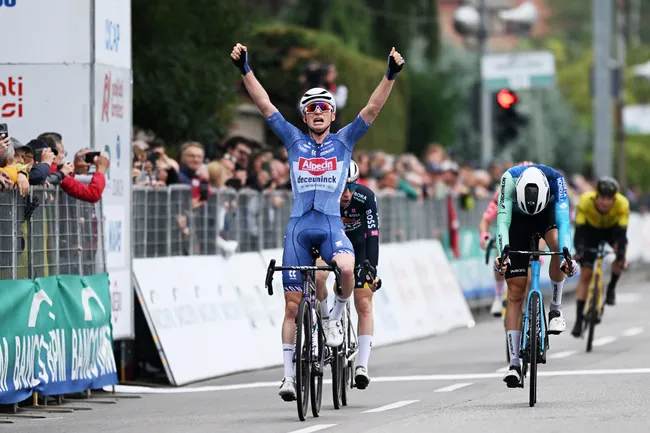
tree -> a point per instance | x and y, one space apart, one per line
439 108
184 79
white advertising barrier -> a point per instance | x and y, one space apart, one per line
206 325
46 32
635 247
645 238
201 308
420 295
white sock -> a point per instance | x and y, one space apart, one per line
556 301
287 352
514 338
499 287
365 345
324 309
339 306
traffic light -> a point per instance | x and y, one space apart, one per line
508 119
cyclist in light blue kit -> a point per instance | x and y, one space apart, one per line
319 164
542 206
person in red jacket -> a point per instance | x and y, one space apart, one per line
91 192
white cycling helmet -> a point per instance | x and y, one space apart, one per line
353 172
532 191
317 94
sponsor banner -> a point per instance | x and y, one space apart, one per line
30 104
113 33
193 300
121 291
46 32
112 135
56 336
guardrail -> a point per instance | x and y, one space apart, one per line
166 222
49 233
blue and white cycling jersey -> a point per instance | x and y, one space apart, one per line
318 172
318 177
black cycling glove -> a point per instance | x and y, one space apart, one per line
242 63
393 68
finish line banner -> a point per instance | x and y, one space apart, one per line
55 336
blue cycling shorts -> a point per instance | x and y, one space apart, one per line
313 229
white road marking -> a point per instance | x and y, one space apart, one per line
503 369
631 332
395 405
559 355
628 298
127 389
453 387
604 340
317 427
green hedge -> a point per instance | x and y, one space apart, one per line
278 55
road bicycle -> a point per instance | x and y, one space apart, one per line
343 357
595 301
534 339
310 350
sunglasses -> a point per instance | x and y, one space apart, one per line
352 186
324 106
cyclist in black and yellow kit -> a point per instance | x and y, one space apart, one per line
601 215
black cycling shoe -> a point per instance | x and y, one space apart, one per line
611 297
577 329
513 376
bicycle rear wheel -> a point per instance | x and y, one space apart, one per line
533 345
317 371
303 358
592 314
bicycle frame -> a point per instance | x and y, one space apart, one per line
535 267
597 275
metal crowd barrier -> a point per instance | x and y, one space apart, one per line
168 222
49 233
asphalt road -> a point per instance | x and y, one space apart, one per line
449 383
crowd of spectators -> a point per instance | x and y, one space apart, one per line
43 161
241 163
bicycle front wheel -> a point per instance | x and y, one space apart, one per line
346 371
592 314
317 371
303 358
533 345
337 376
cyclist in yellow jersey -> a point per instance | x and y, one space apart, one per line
602 214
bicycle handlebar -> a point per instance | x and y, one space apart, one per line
331 268
371 271
565 253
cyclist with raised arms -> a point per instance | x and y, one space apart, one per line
532 188
361 220
483 228
602 214
319 162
